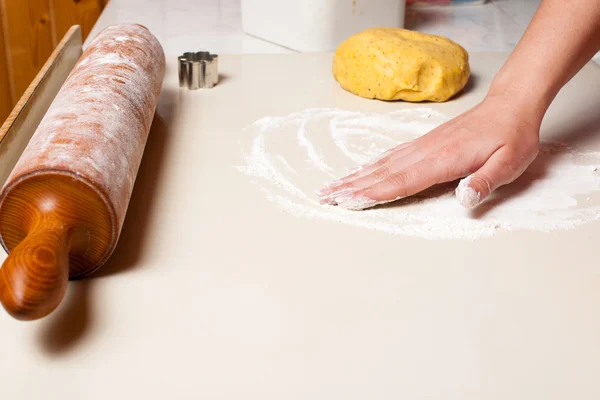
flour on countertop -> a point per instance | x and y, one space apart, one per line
291 156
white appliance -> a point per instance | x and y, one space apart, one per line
317 25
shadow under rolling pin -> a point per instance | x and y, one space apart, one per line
63 206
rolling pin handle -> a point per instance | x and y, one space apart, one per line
34 277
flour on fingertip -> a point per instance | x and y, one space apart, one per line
466 195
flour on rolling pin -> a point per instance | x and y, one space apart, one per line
63 206
93 126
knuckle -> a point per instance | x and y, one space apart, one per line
399 179
445 167
447 150
510 160
522 155
381 173
531 141
482 183
446 173
381 162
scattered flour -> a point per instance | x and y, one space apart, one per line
291 156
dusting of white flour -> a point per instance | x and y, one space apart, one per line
467 196
291 156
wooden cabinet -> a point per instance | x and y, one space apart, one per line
68 13
29 31
6 102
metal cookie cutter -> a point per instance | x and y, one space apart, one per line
198 70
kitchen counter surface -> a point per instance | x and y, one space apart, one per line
217 290
216 25
189 308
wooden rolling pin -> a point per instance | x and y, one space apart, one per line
62 208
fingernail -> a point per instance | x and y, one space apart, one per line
466 195
326 200
354 170
331 198
342 198
326 191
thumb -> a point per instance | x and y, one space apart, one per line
500 169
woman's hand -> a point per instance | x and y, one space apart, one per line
491 144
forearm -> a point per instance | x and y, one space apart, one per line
562 37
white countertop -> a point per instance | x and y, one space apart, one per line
216 25
215 292
189 308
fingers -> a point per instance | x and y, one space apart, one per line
377 174
368 168
406 182
501 168
409 171
383 159
504 166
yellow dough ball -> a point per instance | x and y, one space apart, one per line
398 64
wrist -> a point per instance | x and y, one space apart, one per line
518 99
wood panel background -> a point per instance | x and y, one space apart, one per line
29 31
6 102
